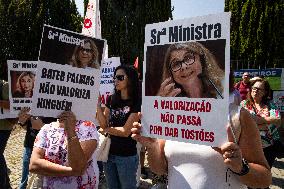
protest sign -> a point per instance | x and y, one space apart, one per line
4 114
107 73
278 98
62 87
185 90
64 47
21 77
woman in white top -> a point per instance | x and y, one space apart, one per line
197 166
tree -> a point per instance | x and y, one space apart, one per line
123 25
257 33
22 22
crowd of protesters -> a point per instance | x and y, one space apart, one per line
61 150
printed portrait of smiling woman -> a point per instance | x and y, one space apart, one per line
24 85
191 70
86 55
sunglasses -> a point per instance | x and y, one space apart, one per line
119 77
82 49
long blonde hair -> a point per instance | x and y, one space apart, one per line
23 74
94 63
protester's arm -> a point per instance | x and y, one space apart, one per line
79 153
155 149
125 130
5 104
249 148
41 166
37 123
24 116
102 116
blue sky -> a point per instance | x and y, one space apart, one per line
185 8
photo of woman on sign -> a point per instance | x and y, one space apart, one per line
86 55
191 70
24 85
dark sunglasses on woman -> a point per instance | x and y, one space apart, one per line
119 77
82 49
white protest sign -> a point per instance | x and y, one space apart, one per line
108 67
21 77
62 87
185 88
278 98
4 114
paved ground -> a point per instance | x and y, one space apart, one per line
14 151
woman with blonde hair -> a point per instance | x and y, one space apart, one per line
25 85
191 70
86 55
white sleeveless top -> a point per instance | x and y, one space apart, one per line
195 166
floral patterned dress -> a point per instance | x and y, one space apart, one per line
53 140
267 136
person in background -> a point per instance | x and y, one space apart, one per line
117 120
32 124
235 95
86 55
189 70
63 154
265 114
25 85
243 86
6 127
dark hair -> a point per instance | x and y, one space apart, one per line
265 99
132 86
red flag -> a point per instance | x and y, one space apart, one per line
136 63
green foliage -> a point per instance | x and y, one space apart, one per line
123 25
21 23
257 31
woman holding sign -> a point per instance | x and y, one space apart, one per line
191 70
233 165
63 153
237 163
25 85
117 120
86 55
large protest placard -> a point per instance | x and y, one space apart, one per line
21 78
66 47
107 73
185 90
77 89
62 87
